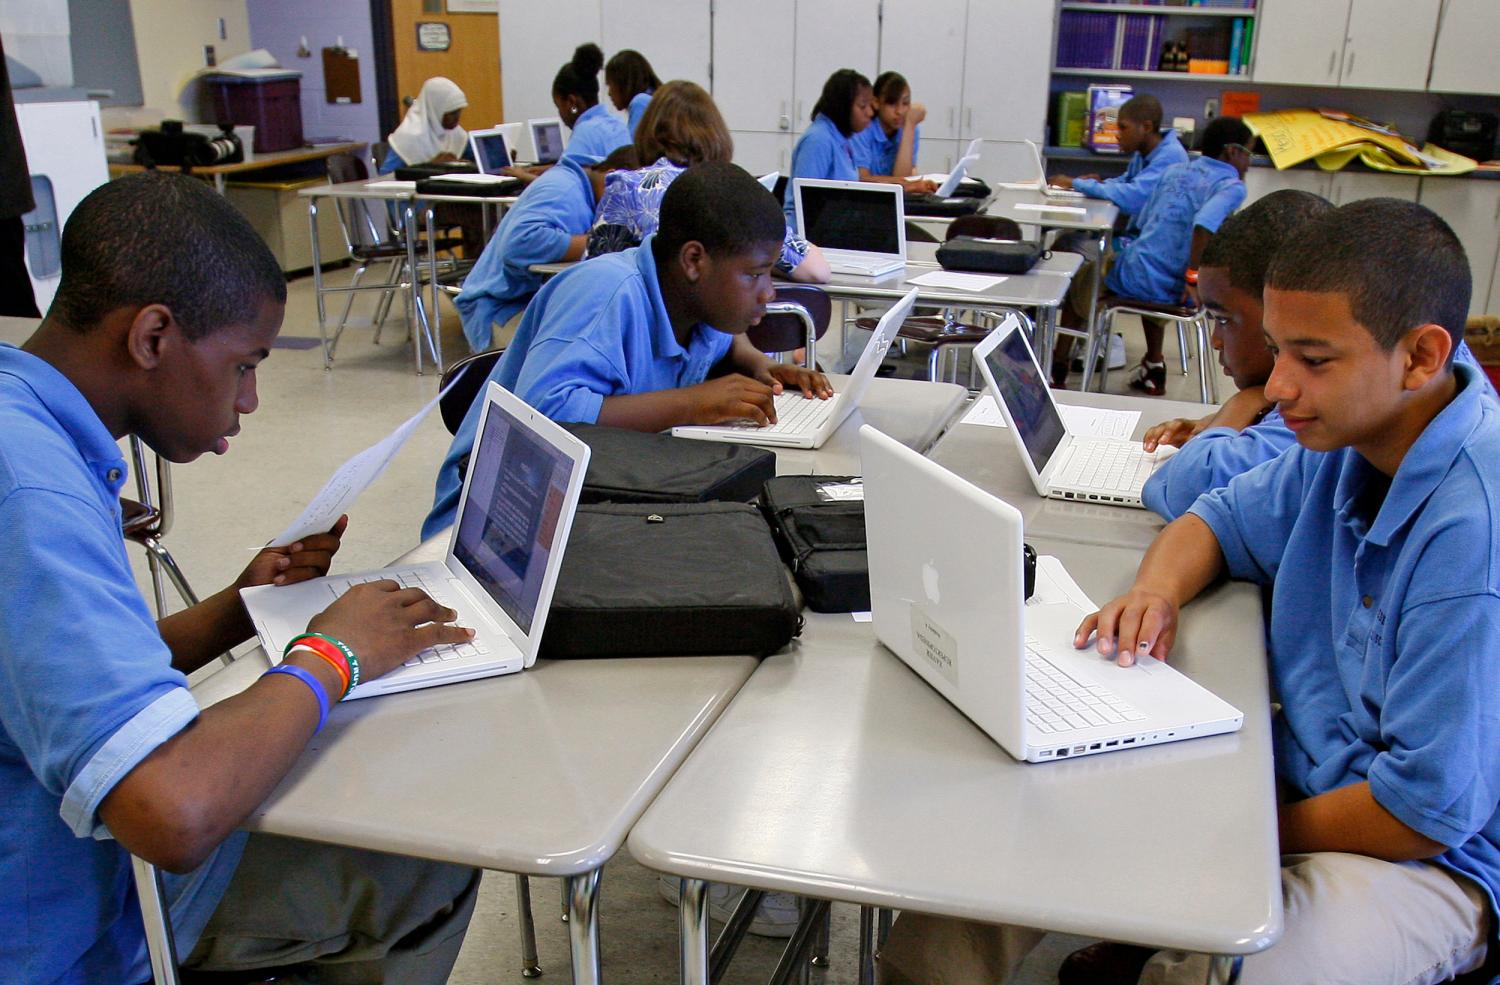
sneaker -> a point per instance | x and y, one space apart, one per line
1149 378
776 916
1116 354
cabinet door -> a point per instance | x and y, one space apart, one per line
924 41
672 34
1260 182
1463 60
938 155
762 153
65 143
1389 43
1007 65
831 34
532 49
1300 41
753 63
1472 208
1351 186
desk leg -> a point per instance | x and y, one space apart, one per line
413 282
866 974
219 182
1093 344
317 262
435 317
735 929
1224 969
692 930
825 932
884 918
793 959
583 926
1045 335
530 967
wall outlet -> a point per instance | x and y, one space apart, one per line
210 58
1210 108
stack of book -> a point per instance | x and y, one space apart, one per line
1121 42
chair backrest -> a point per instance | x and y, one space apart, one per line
799 310
984 227
456 402
359 226
916 233
379 151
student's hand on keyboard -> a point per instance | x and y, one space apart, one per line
1174 432
385 624
1137 622
779 376
733 397
309 557
922 186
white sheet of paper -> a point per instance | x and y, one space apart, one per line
1069 209
391 185
957 282
474 179
986 413
351 479
1054 584
862 616
1097 422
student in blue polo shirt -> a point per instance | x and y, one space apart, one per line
1152 151
1377 536
548 223
168 302
886 150
628 339
630 81
825 149
575 92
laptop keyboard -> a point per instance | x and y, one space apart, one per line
1116 466
1056 703
795 414
439 593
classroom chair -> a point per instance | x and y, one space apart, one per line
474 370
797 319
1181 316
146 520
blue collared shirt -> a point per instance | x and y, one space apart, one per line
1385 622
821 152
596 134
637 109
1130 190
597 330
87 691
537 229
875 151
1149 265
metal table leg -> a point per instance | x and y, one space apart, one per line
692 929
317 265
884 918
735 929
1224 969
414 283
793 958
825 927
435 317
530 968
583 926
866 974
1091 349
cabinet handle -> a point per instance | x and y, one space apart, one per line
1332 56
950 119
783 122
799 109
1349 69
969 119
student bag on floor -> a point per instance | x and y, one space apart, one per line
990 256
638 467
819 525
670 579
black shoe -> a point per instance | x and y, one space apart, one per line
1104 963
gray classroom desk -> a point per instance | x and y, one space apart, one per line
837 773
987 457
540 773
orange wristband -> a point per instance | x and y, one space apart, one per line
1191 276
328 652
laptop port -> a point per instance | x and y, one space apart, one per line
1061 753
1111 743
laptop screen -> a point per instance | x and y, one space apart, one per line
491 152
863 219
547 138
1027 398
510 518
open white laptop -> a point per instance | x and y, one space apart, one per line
504 553
491 149
1061 465
546 139
803 422
768 181
971 157
859 225
946 594
1039 182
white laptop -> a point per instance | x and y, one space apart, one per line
1038 183
491 150
546 139
504 553
804 422
956 176
768 181
946 590
1061 465
859 225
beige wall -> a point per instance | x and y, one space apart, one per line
169 40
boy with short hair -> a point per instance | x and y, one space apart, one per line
168 302
628 339
1152 151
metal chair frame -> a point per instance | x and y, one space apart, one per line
1208 384
151 520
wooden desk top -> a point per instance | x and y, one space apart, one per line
254 163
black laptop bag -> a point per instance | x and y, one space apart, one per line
990 256
822 539
439 185
639 467
670 579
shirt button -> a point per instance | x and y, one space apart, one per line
1367 601
113 475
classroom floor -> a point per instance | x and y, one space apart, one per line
310 419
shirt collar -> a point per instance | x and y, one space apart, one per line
1169 137
1424 466
72 411
592 112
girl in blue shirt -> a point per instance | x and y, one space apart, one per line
886 150
824 150
630 81
575 92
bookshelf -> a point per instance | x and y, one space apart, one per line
1147 40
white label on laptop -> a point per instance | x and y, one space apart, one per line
845 492
958 282
934 644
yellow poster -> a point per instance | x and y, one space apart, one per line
1332 138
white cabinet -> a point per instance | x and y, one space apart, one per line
672 34
1351 186
1493 308
762 153
537 39
65 146
1367 44
1463 60
1472 208
1260 182
1006 64
924 41
753 53
831 34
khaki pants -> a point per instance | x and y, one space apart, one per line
348 916
1349 919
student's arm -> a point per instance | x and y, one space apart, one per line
1128 194
1183 560
1210 460
756 364
1350 819
1238 412
813 268
576 246
906 150
728 398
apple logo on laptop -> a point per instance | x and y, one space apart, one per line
930 582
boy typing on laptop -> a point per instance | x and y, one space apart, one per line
628 339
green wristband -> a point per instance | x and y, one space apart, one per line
344 649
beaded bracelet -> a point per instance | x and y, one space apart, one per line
338 665
343 648
313 685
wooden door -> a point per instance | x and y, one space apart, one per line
472 59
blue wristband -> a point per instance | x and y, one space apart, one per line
313 684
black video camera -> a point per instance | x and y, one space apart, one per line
172 145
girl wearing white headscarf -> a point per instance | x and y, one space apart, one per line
430 128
